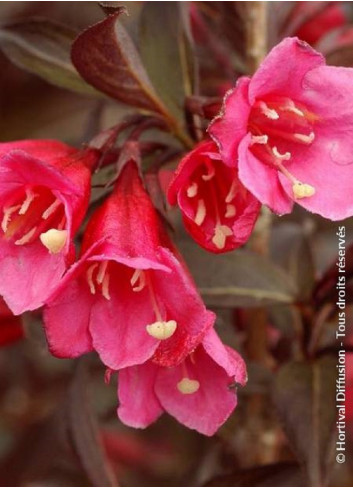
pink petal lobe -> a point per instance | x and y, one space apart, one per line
182 303
67 315
262 180
229 128
284 69
206 409
118 325
29 274
138 404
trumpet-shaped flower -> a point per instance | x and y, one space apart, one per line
218 211
44 193
289 130
128 297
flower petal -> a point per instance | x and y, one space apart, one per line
206 409
29 274
262 180
228 129
283 70
184 305
138 404
67 316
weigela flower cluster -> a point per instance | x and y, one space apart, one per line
282 137
129 296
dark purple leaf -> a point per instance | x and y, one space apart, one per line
304 395
106 58
43 47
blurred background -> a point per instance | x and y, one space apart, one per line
58 423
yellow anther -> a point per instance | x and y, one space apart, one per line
54 240
269 113
263 139
286 156
232 192
105 286
192 190
200 212
7 216
220 236
302 190
27 237
303 138
51 209
162 330
230 211
89 275
140 277
209 175
30 196
188 386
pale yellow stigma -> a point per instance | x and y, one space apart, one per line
200 212
54 240
220 236
301 190
192 190
162 330
188 386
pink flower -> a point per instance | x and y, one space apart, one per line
44 193
129 298
196 392
218 211
289 129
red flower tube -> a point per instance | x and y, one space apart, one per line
129 298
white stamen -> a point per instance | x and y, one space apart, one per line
89 276
51 209
232 192
54 240
138 276
210 174
7 216
192 190
200 213
278 155
101 271
269 113
27 237
263 139
30 196
220 236
230 211
188 386
162 330
105 286
306 139
301 190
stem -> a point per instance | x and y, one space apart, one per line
256 34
